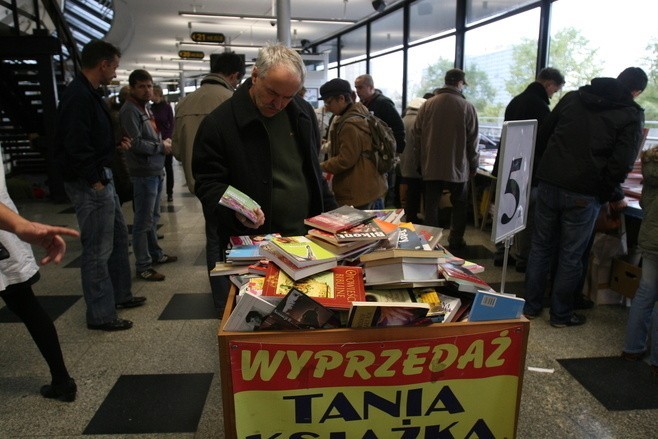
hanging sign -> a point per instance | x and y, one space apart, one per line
191 54
205 37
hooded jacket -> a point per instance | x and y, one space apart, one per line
356 181
591 140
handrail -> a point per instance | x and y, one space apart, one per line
63 31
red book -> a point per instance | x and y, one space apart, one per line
336 288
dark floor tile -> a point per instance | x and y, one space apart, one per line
190 307
68 210
616 383
143 404
55 306
169 208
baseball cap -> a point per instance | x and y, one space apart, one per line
335 87
453 76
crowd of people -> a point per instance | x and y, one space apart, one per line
260 136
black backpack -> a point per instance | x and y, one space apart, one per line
382 140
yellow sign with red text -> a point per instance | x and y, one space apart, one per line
462 386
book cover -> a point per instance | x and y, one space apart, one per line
240 279
441 305
408 239
245 247
301 251
225 269
251 239
292 270
393 216
338 249
379 314
297 310
369 231
432 235
336 288
339 219
253 286
259 268
390 295
249 313
463 278
489 305
240 202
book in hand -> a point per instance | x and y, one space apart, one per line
379 314
249 313
339 219
298 311
336 288
286 264
462 278
240 202
489 305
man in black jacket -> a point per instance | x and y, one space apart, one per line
532 103
591 140
85 147
264 141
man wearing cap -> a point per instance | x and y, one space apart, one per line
356 181
447 127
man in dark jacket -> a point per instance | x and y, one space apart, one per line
84 151
384 108
591 139
532 103
264 141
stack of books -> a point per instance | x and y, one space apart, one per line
298 256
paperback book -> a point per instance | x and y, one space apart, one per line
369 231
463 279
301 251
489 305
402 253
401 270
336 288
225 269
379 314
339 219
240 202
249 313
299 311
292 270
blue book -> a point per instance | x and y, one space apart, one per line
495 306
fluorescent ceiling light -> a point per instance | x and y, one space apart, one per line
262 17
240 46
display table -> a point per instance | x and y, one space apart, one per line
462 379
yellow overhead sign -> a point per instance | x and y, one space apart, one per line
205 37
191 54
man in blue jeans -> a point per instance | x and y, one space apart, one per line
145 158
84 151
592 138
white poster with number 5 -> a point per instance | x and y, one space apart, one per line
517 148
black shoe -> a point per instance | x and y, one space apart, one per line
115 325
633 356
575 320
531 315
135 301
583 302
65 391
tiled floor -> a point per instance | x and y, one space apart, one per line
161 379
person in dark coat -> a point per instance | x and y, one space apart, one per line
264 141
532 103
590 141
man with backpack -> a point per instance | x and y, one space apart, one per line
447 127
356 179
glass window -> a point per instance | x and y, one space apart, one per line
353 45
430 17
386 32
386 72
330 47
351 71
500 60
427 64
477 10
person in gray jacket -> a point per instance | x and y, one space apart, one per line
145 158
447 127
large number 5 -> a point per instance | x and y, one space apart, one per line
512 187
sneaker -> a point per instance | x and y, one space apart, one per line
575 320
165 259
150 275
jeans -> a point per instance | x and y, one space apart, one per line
105 267
459 201
643 316
146 199
564 222
169 171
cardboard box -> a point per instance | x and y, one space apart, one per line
625 277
